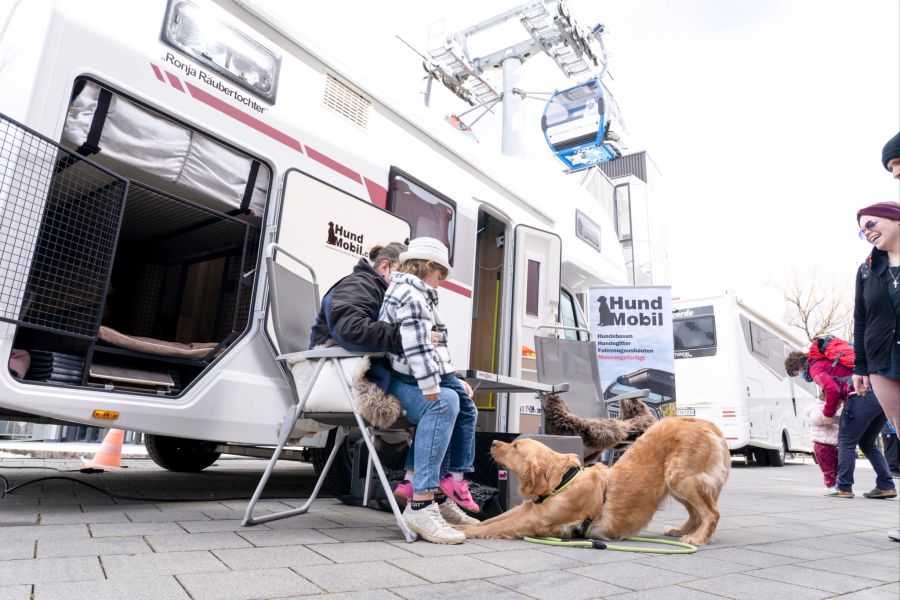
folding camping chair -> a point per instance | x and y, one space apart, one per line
295 304
575 361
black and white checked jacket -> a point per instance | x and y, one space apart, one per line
410 302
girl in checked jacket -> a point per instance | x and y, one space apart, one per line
432 396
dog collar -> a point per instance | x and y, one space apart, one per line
567 478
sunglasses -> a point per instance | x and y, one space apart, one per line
867 227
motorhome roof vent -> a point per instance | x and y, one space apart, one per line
347 103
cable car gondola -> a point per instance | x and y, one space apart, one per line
583 125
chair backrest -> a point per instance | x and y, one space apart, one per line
573 362
295 304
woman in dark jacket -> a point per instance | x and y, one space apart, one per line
349 312
876 315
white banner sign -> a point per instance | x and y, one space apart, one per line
635 348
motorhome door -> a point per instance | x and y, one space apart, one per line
330 228
536 272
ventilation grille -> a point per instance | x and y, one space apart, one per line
345 102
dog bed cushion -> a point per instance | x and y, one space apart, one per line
194 350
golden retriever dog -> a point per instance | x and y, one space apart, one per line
682 457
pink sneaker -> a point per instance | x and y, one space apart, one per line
458 491
403 493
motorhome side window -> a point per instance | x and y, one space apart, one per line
765 346
428 212
694 333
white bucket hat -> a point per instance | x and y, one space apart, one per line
427 248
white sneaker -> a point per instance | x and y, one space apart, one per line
454 515
830 490
894 535
429 524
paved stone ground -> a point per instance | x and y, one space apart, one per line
778 538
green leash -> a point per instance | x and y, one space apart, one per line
681 547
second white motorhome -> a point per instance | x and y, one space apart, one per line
729 369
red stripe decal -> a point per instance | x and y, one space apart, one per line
175 82
243 117
453 287
333 164
377 194
158 73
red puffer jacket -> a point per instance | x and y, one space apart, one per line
825 376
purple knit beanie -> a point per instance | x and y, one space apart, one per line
887 210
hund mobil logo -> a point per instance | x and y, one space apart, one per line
343 239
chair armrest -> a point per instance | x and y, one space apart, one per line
629 395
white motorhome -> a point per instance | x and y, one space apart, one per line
729 369
150 150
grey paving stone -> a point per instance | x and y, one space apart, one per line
43 532
246 585
816 579
591 556
742 586
502 544
463 590
669 592
364 534
158 516
177 542
48 570
796 551
443 569
148 588
751 556
632 575
92 547
15 592
210 526
889 558
68 515
697 565
885 592
555 585
161 563
130 529
871 538
859 568
423 548
268 537
361 551
359 577
240 559
307 521
528 561
370 595
15 515
16 548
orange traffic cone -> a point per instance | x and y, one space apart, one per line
109 456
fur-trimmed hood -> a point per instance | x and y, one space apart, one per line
376 406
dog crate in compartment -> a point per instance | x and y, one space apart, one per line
179 292
59 223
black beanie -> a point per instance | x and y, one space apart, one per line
891 151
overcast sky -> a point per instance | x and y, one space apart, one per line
765 117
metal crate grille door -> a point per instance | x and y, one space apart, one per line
59 222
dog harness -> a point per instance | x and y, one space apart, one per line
567 478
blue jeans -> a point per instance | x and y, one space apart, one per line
434 426
861 422
460 456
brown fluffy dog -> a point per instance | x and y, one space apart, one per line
686 458
597 434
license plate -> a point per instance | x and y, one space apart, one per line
684 412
